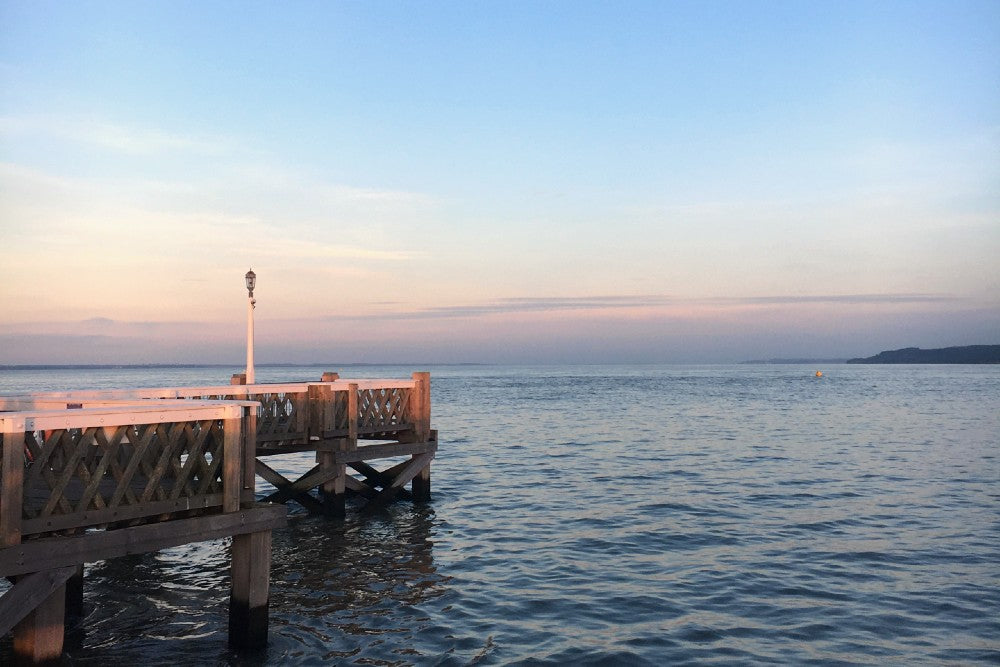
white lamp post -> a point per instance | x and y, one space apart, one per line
251 302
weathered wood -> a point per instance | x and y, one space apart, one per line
52 523
331 491
249 456
370 452
38 638
12 489
28 592
352 415
55 552
359 487
380 479
232 481
248 606
389 493
421 485
284 490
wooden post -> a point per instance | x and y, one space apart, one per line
11 488
38 639
232 464
251 578
420 411
332 493
249 454
352 416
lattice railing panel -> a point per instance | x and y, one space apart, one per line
385 409
282 418
84 477
341 419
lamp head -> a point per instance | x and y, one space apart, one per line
251 281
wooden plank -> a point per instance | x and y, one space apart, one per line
375 479
54 522
352 415
249 456
385 428
370 452
232 479
28 592
12 489
284 492
359 487
387 494
296 436
118 415
55 552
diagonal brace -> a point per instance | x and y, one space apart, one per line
408 472
284 488
29 592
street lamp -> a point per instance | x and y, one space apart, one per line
251 303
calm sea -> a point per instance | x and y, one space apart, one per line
617 515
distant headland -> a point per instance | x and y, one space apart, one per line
967 354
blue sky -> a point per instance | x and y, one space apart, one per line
543 181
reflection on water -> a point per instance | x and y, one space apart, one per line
336 585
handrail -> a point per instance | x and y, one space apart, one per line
71 469
223 390
118 413
289 416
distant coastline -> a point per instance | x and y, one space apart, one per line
967 354
795 361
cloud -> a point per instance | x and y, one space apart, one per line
651 302
110 136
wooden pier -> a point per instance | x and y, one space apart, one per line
92 475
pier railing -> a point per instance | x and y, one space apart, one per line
295 416
67 470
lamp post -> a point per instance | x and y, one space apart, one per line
251 302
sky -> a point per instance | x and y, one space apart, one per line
499 182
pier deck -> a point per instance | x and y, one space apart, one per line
92 475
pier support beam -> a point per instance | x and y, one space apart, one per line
420 408
36 610
421 485
332 493
248 613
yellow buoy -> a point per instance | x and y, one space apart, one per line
819 374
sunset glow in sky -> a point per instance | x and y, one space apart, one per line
497 181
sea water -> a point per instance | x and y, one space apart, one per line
615 515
